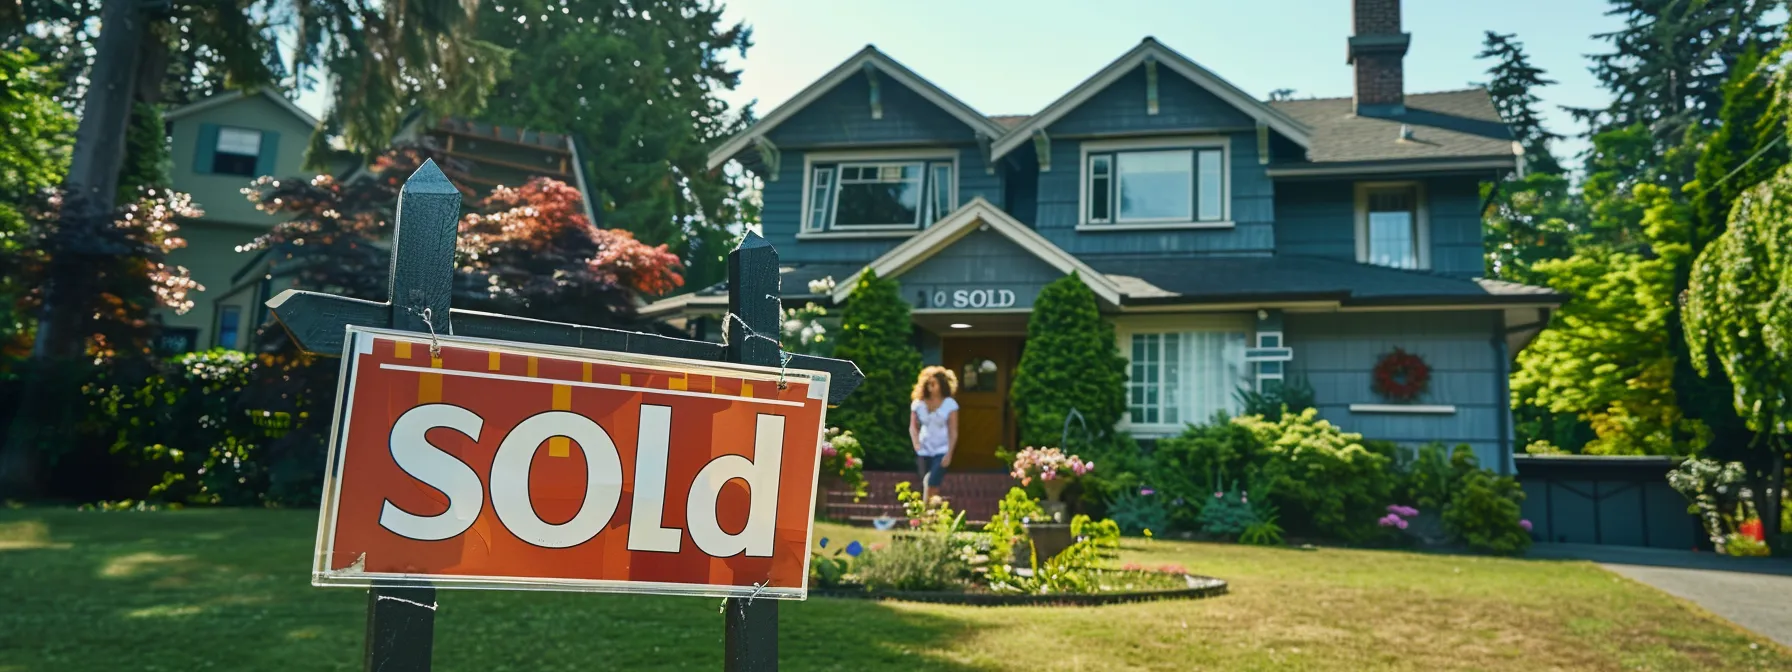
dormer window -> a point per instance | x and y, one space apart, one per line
1391 225
1157 183
238 151
875 194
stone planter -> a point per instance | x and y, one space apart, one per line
1049 539
1054 500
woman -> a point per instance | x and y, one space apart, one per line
933 426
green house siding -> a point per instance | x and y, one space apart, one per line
1121 108
230 220
1337 352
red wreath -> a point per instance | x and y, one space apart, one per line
1401 376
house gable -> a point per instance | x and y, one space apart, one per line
844 116
1122 107
1167 62
984 270
864 65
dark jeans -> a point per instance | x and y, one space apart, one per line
932 469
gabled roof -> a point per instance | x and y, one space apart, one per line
851 67
1445 125
961 223
233 96
1150 48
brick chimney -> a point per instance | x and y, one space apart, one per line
1377 49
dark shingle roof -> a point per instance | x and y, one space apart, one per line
1445 124
1297 278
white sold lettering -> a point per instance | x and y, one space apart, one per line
429 464
979 298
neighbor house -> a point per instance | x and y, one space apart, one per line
223 143
1235 243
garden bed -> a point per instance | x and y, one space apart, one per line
1197 587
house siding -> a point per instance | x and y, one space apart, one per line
1253 210
982 260
1336 353
1318 218
1121 108
843 117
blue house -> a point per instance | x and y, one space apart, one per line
1233 242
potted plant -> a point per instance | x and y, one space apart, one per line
1054 470
842 463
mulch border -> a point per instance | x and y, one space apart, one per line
1215 587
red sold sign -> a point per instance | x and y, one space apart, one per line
504 465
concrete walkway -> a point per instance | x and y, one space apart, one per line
1755 593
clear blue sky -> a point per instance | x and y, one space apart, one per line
1016 56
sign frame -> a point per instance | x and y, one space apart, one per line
360 340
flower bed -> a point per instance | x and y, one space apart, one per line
1150 589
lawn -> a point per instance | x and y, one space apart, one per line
228 590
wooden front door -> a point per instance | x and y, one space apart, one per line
985 369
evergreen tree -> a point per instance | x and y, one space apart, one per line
1669 61
875 334
1513 87
1070 362
637 85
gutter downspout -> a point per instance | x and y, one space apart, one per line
1503 419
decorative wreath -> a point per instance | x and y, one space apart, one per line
1401 376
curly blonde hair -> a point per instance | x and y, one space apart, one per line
948 382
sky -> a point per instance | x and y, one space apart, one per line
1017 56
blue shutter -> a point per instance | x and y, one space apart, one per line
208 145
270 153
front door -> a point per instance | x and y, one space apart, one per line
985 369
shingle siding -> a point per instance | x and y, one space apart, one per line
843 117
1318 218
1120 108
1337 352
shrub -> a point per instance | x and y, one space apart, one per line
1322 477
1007 527
1139 510
1070 363
184 421
1182 467
1428 477
1484 513
842 457
926 561
1293 396
874 333
1228 514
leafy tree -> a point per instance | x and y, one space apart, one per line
1606 355
1513 87
1531 219
1070 363
875 334
637 84
1739 310
33 157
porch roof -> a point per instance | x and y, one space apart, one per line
1284 278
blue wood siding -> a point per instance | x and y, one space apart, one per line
1335 353
982 260
843 117
1253 212
1120 108
784 200
975 179
1318 218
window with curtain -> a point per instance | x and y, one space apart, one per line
1155 186
1183 377
882 195
237 151
1392 226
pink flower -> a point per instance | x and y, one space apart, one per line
827 450
1525 524
914 522
1049 475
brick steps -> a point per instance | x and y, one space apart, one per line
974 493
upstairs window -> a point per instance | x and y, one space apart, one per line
1391 227
1155 186
878 196
238 151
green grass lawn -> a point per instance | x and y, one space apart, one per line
229 590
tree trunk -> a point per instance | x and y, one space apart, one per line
1776 492
89 198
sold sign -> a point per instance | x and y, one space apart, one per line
484 464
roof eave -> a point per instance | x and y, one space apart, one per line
1383 166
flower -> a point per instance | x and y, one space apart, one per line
1147 492
1147 533
824 542
1219 495
1525 524
1402 511
854 549
877 546
827 450
914 522
1048 475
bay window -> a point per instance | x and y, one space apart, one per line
878 195
1181 377
1154 186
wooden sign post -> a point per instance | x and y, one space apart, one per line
401 605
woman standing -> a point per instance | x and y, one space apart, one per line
933 426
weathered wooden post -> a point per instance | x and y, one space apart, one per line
401 614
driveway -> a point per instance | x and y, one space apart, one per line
1755 593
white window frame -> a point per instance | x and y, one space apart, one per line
218 144
1126 328
1263 339
1421 222
925 157
1193 143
